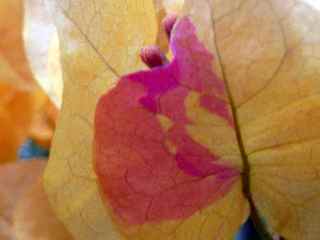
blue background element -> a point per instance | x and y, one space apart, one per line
248 232
31 150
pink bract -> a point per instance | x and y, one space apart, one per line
142 180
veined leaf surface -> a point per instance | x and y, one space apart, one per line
269 54
246 104
99 40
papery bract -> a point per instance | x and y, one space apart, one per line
20 97
269 56
111 49
265 52
153 160
15 76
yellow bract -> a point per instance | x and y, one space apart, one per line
44 119
100 40
269 52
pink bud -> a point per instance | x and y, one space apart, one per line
152 56
168 23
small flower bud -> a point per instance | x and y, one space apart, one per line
168 23
152 56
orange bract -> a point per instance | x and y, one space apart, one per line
15 112
21 100
11 42
15 94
